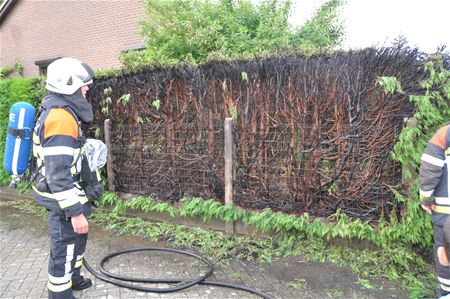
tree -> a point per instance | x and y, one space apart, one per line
197 30
324 29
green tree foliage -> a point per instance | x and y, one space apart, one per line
432 111
197 30
324 29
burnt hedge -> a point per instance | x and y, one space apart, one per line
312 134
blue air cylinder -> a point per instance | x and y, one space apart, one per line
19 137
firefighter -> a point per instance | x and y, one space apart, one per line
434 192
62 182
443 251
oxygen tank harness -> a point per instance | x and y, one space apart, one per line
18 140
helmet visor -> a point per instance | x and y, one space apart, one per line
90 73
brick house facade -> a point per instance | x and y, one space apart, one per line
35 32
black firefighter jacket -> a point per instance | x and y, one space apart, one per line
57 147
434 172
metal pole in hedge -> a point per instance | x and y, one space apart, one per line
109 157
228 157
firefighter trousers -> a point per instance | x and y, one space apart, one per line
443 272
66 256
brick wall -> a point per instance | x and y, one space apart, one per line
94 31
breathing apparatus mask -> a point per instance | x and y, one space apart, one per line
94 158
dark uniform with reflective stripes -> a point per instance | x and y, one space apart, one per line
434 189
57 147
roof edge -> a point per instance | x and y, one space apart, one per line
5 8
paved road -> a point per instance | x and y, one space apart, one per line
24 257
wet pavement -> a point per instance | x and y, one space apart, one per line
24 251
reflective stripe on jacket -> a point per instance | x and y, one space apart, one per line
57 146
434 171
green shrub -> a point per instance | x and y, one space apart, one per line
198 30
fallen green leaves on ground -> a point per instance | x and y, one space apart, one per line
395 263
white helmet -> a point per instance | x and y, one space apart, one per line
67 75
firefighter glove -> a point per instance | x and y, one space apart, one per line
93 192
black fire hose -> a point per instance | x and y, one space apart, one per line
185 283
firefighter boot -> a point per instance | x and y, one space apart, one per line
81 283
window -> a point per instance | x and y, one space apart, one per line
136 47
42 64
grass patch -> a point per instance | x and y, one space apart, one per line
334 293
28 206
217 246
299 284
